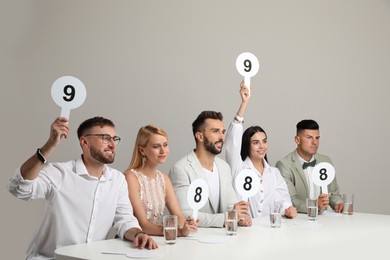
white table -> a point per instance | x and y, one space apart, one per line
334 236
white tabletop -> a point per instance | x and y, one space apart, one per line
333 235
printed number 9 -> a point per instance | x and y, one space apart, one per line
198 196
247 65
70 92
323 175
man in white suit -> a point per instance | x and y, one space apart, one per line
209 134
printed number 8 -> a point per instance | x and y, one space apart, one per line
198 196
247 183
323 175
70 92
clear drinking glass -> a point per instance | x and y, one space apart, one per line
275 214
231 222
312 208
170 228
348 204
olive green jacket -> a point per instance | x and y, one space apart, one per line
291 169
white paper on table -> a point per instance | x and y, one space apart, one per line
331 213
137 253
213 239
306 223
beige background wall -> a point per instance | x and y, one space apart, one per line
163 62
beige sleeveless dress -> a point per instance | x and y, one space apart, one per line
152 193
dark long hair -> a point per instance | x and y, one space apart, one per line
246 140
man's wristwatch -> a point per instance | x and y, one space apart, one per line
40 156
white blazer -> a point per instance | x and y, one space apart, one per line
187 170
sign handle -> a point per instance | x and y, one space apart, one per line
195 214
65 112
324 189
247 81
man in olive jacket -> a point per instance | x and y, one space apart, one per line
297 166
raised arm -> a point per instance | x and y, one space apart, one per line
234 134
245 97
30 168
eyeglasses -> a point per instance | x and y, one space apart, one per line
106 138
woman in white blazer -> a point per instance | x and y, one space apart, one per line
248 150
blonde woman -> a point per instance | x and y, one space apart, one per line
149 189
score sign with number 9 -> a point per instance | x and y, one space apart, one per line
69 93
247 65
323 174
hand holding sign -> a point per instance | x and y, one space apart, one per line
69 93
247 184
248 66
197 195
323 174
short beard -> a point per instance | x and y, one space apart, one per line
209 146
97 155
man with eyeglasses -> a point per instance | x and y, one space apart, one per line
85 198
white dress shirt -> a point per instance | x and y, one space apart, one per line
79 208
314 190
272 185
212 178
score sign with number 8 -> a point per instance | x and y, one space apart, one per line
247 183
69 93
197 195
323 174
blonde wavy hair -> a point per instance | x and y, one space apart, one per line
143 137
